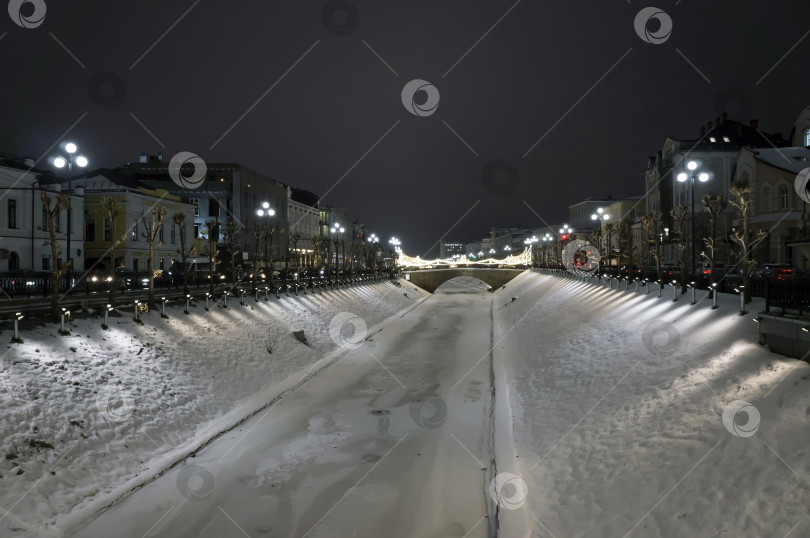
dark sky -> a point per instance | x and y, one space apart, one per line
340 99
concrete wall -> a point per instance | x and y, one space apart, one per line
785 335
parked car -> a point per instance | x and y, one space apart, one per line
631 271
780 271
670 270
719 268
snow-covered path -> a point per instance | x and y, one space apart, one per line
391 441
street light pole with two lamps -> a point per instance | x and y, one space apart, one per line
683 177
60 162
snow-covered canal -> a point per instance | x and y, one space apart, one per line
391 440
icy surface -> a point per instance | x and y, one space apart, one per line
609 407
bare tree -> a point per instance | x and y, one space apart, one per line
151 233
679 214
714 205
258 235
51 215
626 240
740 199
269 233
232 246
652 223
596 238
294 237
179 219
110 210
317 245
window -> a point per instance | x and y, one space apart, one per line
783 197
46 263
196 231
173 234
13 262
161 263
807 137
135 264
12 213
213 208
160 233
107 229
90 230
196 203
134 234
766 198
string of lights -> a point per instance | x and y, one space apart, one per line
525 258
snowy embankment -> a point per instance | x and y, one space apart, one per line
616 405
87 417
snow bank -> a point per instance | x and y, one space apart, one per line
89 416
612 412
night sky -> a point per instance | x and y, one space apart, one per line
319 84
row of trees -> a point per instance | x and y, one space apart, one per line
617 243
327 253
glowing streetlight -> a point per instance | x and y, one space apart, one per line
60 162
683 177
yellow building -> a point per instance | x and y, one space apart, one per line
133 204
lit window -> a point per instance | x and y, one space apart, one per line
807 137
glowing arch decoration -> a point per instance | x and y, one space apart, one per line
525 258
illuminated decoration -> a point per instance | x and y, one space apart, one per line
581 257
525 258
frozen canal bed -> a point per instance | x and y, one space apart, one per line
392 440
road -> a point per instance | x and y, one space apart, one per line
392 440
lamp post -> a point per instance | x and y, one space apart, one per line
703 177
373 239
338 230
265 212
60 162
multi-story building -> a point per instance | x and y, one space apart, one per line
579 214
304 224
800 137
448 249
473 250
776 208
134 202
714 154
337 225
25 238
229 192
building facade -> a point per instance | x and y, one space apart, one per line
229 192
25 241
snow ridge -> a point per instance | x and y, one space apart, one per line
493 510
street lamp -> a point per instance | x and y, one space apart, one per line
703 177
60 162
373 239
264 212
600 216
